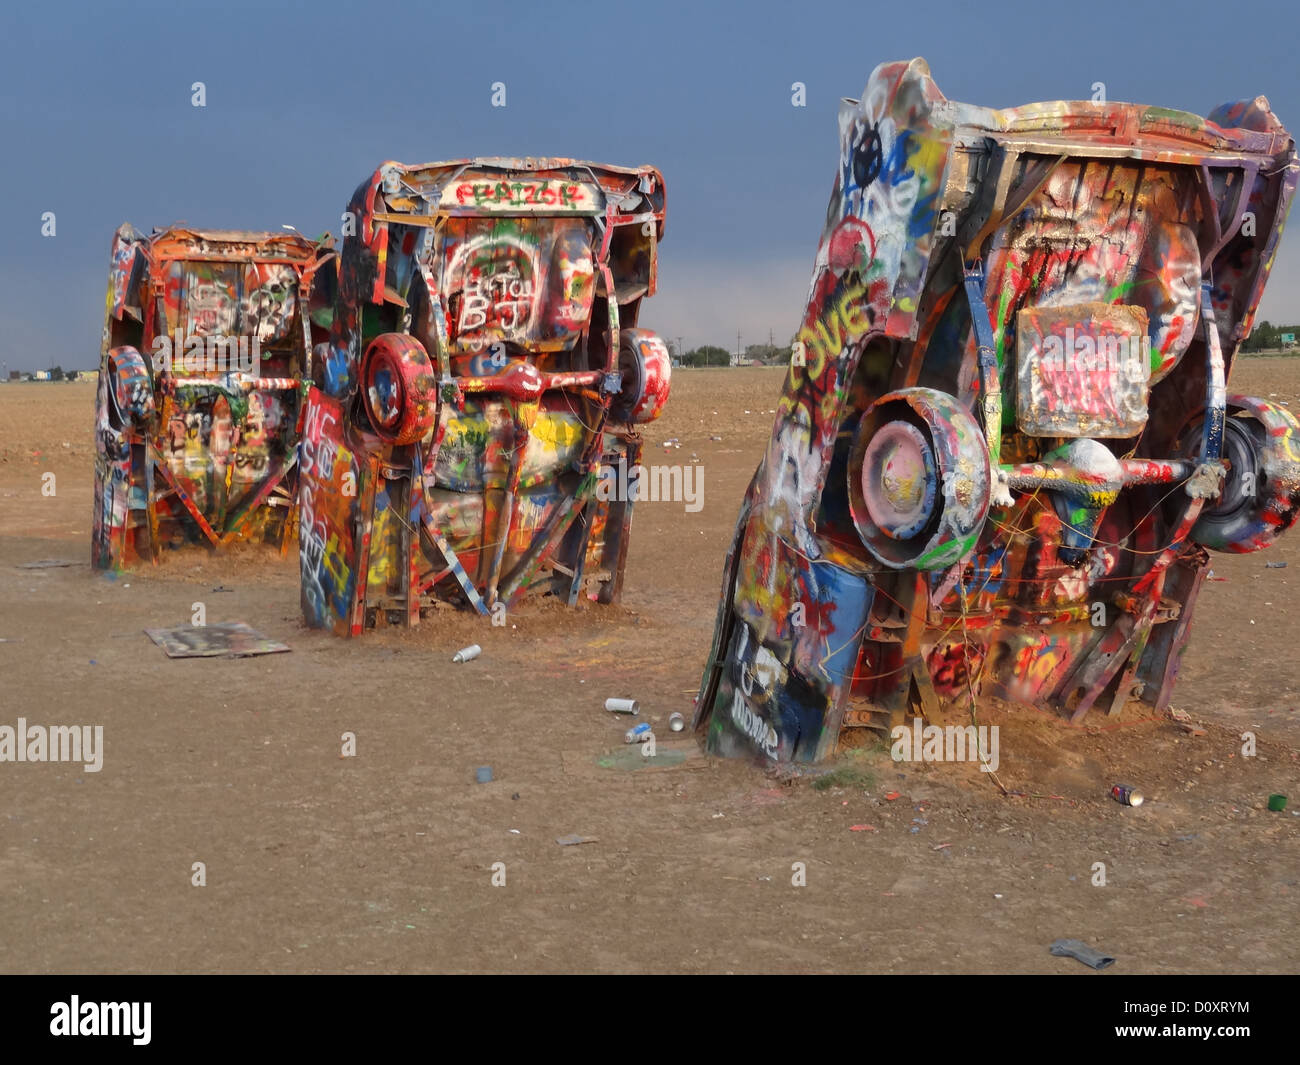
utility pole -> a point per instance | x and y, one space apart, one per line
737 347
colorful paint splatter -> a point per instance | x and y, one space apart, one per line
1005 446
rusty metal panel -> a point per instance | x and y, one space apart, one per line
485 355
1007 446
1082 370
205 351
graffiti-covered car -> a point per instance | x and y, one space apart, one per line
207 343
1006 445
476 410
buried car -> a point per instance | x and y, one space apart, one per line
1006 445
206 344
475 411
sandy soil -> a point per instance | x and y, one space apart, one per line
383 862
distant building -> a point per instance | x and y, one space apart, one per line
86 375
41 375
15 375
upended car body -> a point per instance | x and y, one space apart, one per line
206 345
481 390
1006 444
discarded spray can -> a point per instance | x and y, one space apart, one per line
467 653
622 706
1126 796
676 722
638 733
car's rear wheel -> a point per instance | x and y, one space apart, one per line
918 480
398 388
646 371
1260 499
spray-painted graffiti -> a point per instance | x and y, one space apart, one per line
220 325
525 194
475 362
974 485
329 487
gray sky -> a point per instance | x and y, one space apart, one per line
305 99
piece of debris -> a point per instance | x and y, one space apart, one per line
891 796
622 706
483 774
638 733
862 828
1183 720
227 639
574 840
465 654
1275 565
676 722
1277 803
1080 951
49 563
1126 796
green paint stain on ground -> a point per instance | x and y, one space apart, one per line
631 758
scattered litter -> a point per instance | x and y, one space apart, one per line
1275 565
997 895
622 706
1184 721
465 654
515 832
574 840
1277 803
862 828
1080 951
515 795
229 639
638 733
1126 796
222 588
715 438
891 796
49 563
940 846
716 816
483 774
676 722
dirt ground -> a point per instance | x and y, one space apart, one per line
383 862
